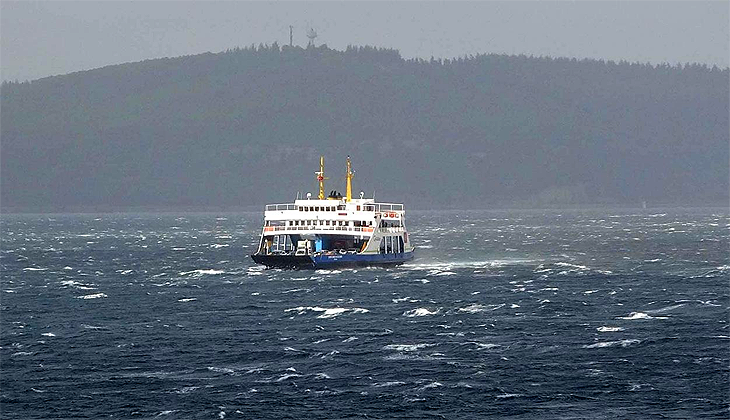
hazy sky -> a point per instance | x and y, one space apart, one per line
39 39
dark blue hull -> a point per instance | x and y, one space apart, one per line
332 261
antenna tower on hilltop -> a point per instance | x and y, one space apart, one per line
291 36
311 34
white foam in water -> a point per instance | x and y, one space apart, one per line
327 312
432 385
609 329
187 299
475 308
48 334
486 346
445 267
94 296
209 272
407 347
622 343
34 269
287 376
420 312
641 315
387 384
502 396
220 370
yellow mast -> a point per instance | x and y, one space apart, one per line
349 180
321 178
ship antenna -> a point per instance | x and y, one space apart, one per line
348 190
312 35
321 178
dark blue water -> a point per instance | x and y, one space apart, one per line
593 314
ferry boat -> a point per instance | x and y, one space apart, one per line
333 231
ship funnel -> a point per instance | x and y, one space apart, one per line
348 194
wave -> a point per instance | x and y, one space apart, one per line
187 299
431 385
641 315
407 347
622 343
446 266
609 329
327 312
388 384
220 370
475 308
94 296
421 312
201 272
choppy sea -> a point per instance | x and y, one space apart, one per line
503 314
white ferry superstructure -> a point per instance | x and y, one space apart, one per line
333 231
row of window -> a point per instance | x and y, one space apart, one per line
334 208
322 208
356 223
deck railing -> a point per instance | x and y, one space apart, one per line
379 207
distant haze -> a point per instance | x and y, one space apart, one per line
40 39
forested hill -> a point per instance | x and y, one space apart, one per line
246 127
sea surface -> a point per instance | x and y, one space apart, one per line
503 314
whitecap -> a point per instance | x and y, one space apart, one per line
48 334
389 383
432 385
576 266
641 315
187 299
201 272
216 246
94 296
502 396
220 370
327 312
622 343
349 339
609 329
420 312
475 308
287 376
407 347
34 269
